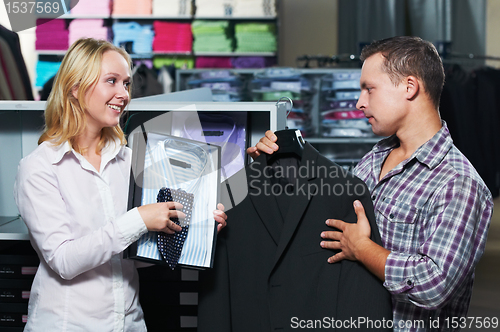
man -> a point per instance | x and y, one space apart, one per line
432 208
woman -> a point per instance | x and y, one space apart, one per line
72 193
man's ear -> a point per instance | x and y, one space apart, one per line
412 87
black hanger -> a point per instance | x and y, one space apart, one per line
290 143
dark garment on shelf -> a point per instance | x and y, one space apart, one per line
270 271
145 83
12 39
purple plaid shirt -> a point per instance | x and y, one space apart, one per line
433 212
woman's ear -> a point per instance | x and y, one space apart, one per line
412 87
74 91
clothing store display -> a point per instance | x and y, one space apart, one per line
429 228
235 8
213 62
172 162
11 73
269 265
172 37
132 7
145 82
170 245
88 28
271 84
180 8
212 36
253 62
181 62
225 85
338 97
254 8
213 8
91 7
45 70
90 266
140 35
255 37
21 87
51 35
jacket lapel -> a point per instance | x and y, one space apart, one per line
298 202
265 204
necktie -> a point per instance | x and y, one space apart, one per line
170 245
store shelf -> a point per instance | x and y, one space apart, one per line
13 229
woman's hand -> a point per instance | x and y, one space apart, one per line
266 144
220 217
157 216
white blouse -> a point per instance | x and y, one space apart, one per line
79 225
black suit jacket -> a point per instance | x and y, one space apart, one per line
270 273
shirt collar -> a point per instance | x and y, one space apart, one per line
430 153
111 150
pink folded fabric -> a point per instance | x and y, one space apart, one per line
51 35
91 7
132 7
85 28
172 37
213 62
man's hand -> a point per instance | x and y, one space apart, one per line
355 244
350 239
266 144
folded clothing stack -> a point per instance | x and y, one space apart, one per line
91 7
51 34
44 72
339 116
253 62
135 38
180 62
84 28
254 8
172 37
214 8
213 62
225 85
167 8
132 7
255 37
212 36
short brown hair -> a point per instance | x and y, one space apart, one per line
64 114
405 56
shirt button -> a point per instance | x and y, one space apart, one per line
409 282
391 216
373 197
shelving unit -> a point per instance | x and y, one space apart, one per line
346 151
56 55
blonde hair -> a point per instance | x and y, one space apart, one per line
65 117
